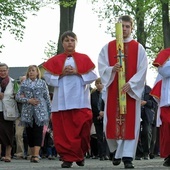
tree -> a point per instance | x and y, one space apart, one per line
13 14
67 12
149 30
165 23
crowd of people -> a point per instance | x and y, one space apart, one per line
60 124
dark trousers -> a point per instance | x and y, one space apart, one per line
153 140
101 140
34 135
146 136
93 145
51 151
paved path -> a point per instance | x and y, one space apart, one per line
90 164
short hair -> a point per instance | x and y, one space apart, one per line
68 33
126 18
3 64
98 80
30 67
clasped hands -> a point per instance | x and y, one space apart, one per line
69 70
33 101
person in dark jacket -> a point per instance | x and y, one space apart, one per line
148 105
97 104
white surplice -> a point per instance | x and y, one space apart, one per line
125 148
72 91
164 75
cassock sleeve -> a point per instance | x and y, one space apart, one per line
105 70
164 71
51 79
89 77
138 80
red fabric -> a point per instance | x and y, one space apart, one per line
162 57
121 126
156 90
71 132
165 132
55 65
3 83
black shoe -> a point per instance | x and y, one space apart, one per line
167 162
151 155
111 155
129 165
102 158
80 163
66 164
116 161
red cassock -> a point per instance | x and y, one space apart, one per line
71 128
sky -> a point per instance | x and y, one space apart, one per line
44 27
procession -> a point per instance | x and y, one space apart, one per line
72 112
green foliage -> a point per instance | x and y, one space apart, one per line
50 50
67 3
109 10
13 14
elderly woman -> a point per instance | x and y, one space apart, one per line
36 108
6 127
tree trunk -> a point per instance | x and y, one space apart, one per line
166 24
141 35
66 22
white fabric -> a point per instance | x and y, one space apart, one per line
125 148
164 75
8 94
70 92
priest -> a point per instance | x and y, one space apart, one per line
122 130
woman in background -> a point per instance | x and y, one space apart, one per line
36 108
6 127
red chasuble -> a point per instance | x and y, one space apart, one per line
55 65
121 126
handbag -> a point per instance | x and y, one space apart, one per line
10 110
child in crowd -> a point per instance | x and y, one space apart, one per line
50 148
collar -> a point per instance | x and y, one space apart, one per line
128 39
